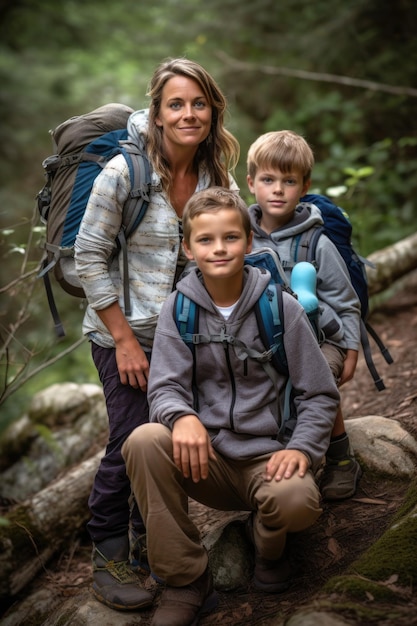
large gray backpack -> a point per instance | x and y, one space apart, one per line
83 145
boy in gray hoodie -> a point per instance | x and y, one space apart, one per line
279 166
214 435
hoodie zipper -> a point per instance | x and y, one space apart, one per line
232 383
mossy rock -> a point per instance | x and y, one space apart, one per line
386 573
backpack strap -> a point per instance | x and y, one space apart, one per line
366 328
133 210
186 313
59 329
270 318
306 243
141 184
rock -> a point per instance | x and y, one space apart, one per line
382 445
86 610
316 618
15 441
40 603
63 422
63 403
230 556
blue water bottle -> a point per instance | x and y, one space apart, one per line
304 282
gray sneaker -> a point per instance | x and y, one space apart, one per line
340 478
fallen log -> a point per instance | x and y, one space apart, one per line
392 263
38 527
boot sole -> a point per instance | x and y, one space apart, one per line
272 587
122 607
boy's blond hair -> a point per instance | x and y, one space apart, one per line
212 200
282 149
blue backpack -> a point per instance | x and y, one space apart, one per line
338 229
270 319
83 145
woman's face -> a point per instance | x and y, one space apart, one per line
184 116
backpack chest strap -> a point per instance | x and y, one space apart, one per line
243 351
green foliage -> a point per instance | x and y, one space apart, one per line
378 196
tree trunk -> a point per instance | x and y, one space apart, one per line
39 526
392 263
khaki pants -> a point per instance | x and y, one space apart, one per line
335 357
174 550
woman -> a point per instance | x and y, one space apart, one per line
189 149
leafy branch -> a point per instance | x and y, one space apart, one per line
20 359
235 64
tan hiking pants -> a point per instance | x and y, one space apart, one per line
174 550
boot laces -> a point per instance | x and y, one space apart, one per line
120 570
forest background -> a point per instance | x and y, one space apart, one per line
341 74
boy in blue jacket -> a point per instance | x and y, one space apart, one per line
215 417
279 166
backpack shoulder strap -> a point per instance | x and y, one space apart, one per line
186 314
365 329
306 243
139 196
270 318
133 210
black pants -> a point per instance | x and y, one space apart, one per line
127 408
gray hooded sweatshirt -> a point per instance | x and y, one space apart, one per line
237 399
339 303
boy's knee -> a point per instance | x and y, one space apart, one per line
143 440
294 503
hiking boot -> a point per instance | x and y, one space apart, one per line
183 606
340 478
271 576
114 583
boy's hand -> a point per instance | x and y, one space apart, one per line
284 463
192 447
349 366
